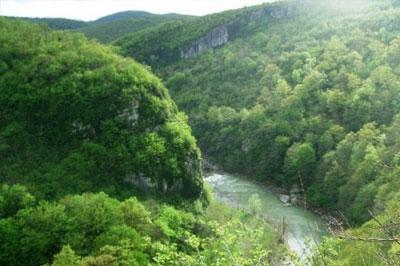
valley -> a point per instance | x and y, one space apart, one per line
119 113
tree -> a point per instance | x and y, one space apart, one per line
299 163
14 198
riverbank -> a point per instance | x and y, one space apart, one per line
302 229
330 221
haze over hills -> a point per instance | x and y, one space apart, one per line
302 94
109 28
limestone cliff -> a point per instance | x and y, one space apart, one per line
224 33
217 37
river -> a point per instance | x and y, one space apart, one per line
304 229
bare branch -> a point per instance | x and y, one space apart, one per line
384 229
368 239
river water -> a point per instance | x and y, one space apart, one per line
304 229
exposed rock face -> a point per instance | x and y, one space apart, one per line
224 33
179 185
141 181
217 37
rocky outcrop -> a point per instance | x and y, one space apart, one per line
224 33
141 181
217 37
293 198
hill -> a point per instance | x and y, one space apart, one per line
85 119
55 23
113 27
98 166
122 15
108 28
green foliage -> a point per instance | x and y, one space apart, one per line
66 257
13 199
255 204
113 27
375 247
302 92
77 117
299 162
146 46
56 23
94 229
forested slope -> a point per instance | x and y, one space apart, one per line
299 78
77 117
55 23
108 28
113 27
98 166
301 92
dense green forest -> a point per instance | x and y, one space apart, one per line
55 23
312 94
98 167
109 28
102 167
302 92
76 117
95 229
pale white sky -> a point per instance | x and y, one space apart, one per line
93 9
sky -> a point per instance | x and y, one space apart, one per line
93 9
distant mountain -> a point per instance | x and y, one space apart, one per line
113 27
109 28
122 15
56 23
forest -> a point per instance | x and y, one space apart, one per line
308 98
101 160
98 166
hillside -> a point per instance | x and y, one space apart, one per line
73 111
113 27
55 23
298 93
209 31
285 78
98 166
108 28
121 16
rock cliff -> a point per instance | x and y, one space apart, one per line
224 33
217 37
